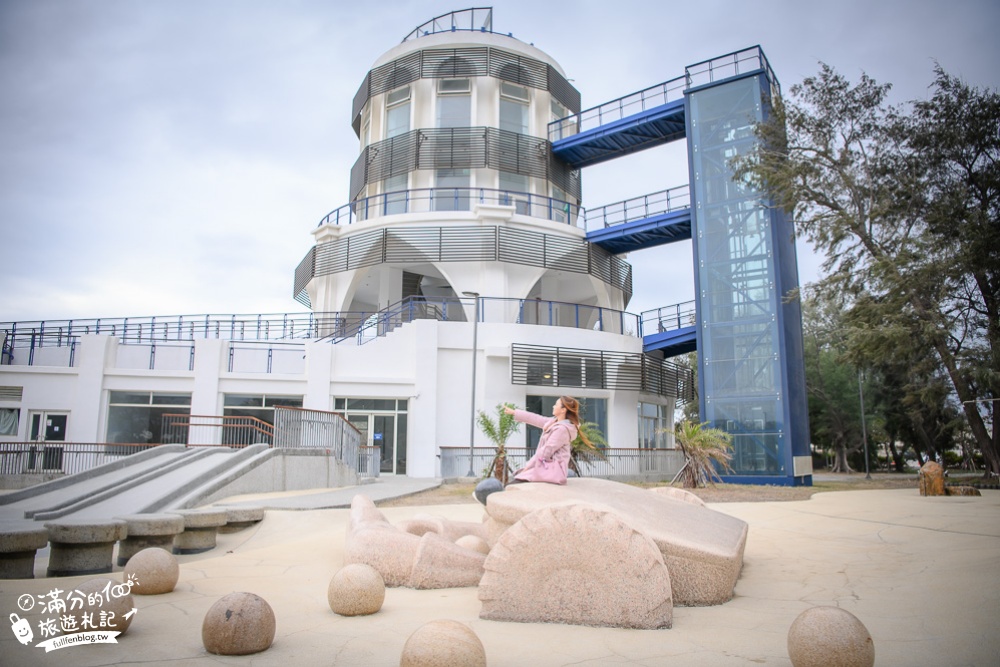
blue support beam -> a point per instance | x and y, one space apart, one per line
655 230
646 129
671 343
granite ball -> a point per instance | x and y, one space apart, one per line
441 643
153 571
238 624
474 542
105 603
830 637
356 590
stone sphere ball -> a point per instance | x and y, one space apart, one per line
829 637
441 643
104 604
475 543
154 571
356 590
238 624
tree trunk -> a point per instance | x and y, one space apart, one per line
840 460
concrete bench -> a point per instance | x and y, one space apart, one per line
241 518
200 528
148 530
19 541
83 546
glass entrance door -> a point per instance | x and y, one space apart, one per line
47 427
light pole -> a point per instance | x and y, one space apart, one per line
864 431
475 344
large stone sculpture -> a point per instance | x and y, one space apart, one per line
576 564
425 560
702 548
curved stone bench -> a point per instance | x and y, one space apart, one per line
148 530
83 546
19 540
200 527
241 518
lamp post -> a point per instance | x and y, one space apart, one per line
864 431
475 344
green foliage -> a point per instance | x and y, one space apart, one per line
498 432
590 450
703 448
904 202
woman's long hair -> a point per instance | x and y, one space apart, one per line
573 415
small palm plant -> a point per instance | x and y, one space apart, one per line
703 447
588 447
498 432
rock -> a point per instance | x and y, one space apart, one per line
238 624
83 546
829 637
443 643
961 491
356 590
154 571
200 529
148 530
702 548
404 559
931 479
474 543
577 564
679 494
103 604
19 541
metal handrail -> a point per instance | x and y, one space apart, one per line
365 326
638 208
669 318
427 200
706 71
454 23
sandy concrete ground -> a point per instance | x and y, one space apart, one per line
921 573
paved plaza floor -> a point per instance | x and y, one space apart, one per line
921 573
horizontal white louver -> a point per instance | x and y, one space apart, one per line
11 393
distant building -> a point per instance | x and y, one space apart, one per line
464 253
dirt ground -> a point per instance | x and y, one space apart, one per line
448 494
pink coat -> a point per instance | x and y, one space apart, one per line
551 460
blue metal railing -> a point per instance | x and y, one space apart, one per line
425 200
476 19
707 71
669 318
638 208
363 327
630 104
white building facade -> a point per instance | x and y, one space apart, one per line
458 277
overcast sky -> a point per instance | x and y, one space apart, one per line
163 157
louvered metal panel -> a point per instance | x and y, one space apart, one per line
454 63
304 272
463 244
563 91
539 365
521 246
451 148
567 254
518 69
394 74
461 148
468 244
463 62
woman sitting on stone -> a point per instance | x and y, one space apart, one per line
551 460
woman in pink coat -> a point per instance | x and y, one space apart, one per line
551 460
